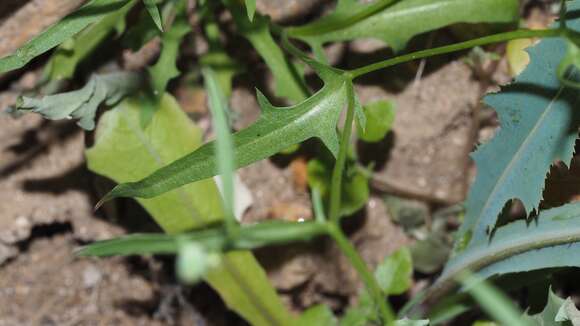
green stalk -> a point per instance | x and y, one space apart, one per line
496 38
367 277
333 225
336 183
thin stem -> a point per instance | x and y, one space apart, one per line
336 183
367 277
501 37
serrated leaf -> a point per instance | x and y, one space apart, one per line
165 68
288 80
546 317
124 151
568 313
90 13
275 130
66 58
539 125
551 240
396 23
82 104
151 6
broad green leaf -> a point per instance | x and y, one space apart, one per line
539 125
355 185
548 316
165 68
288 80
82 104
275 130
90 13
551 240
379 116
250 8
124 151
396 22
319 315
394 274
151 6
67 56
492 301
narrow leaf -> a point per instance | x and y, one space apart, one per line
90 13
275 130
396 22
551 240
250 8
151 6
539 125
66 58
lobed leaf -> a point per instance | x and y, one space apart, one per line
396 22
539 125
165 68
90 13
82 104
275 130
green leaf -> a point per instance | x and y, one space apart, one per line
82 104
90 13
288 80
151 6
275 130
250 8
319 315
539 122
379 116
492 301
551 240
124 151
548 316
396 23
67 56
224 147
165 68
355 185
394 274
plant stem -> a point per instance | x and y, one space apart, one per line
336 183
367 277
501 37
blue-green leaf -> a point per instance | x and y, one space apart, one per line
539 125
82 104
